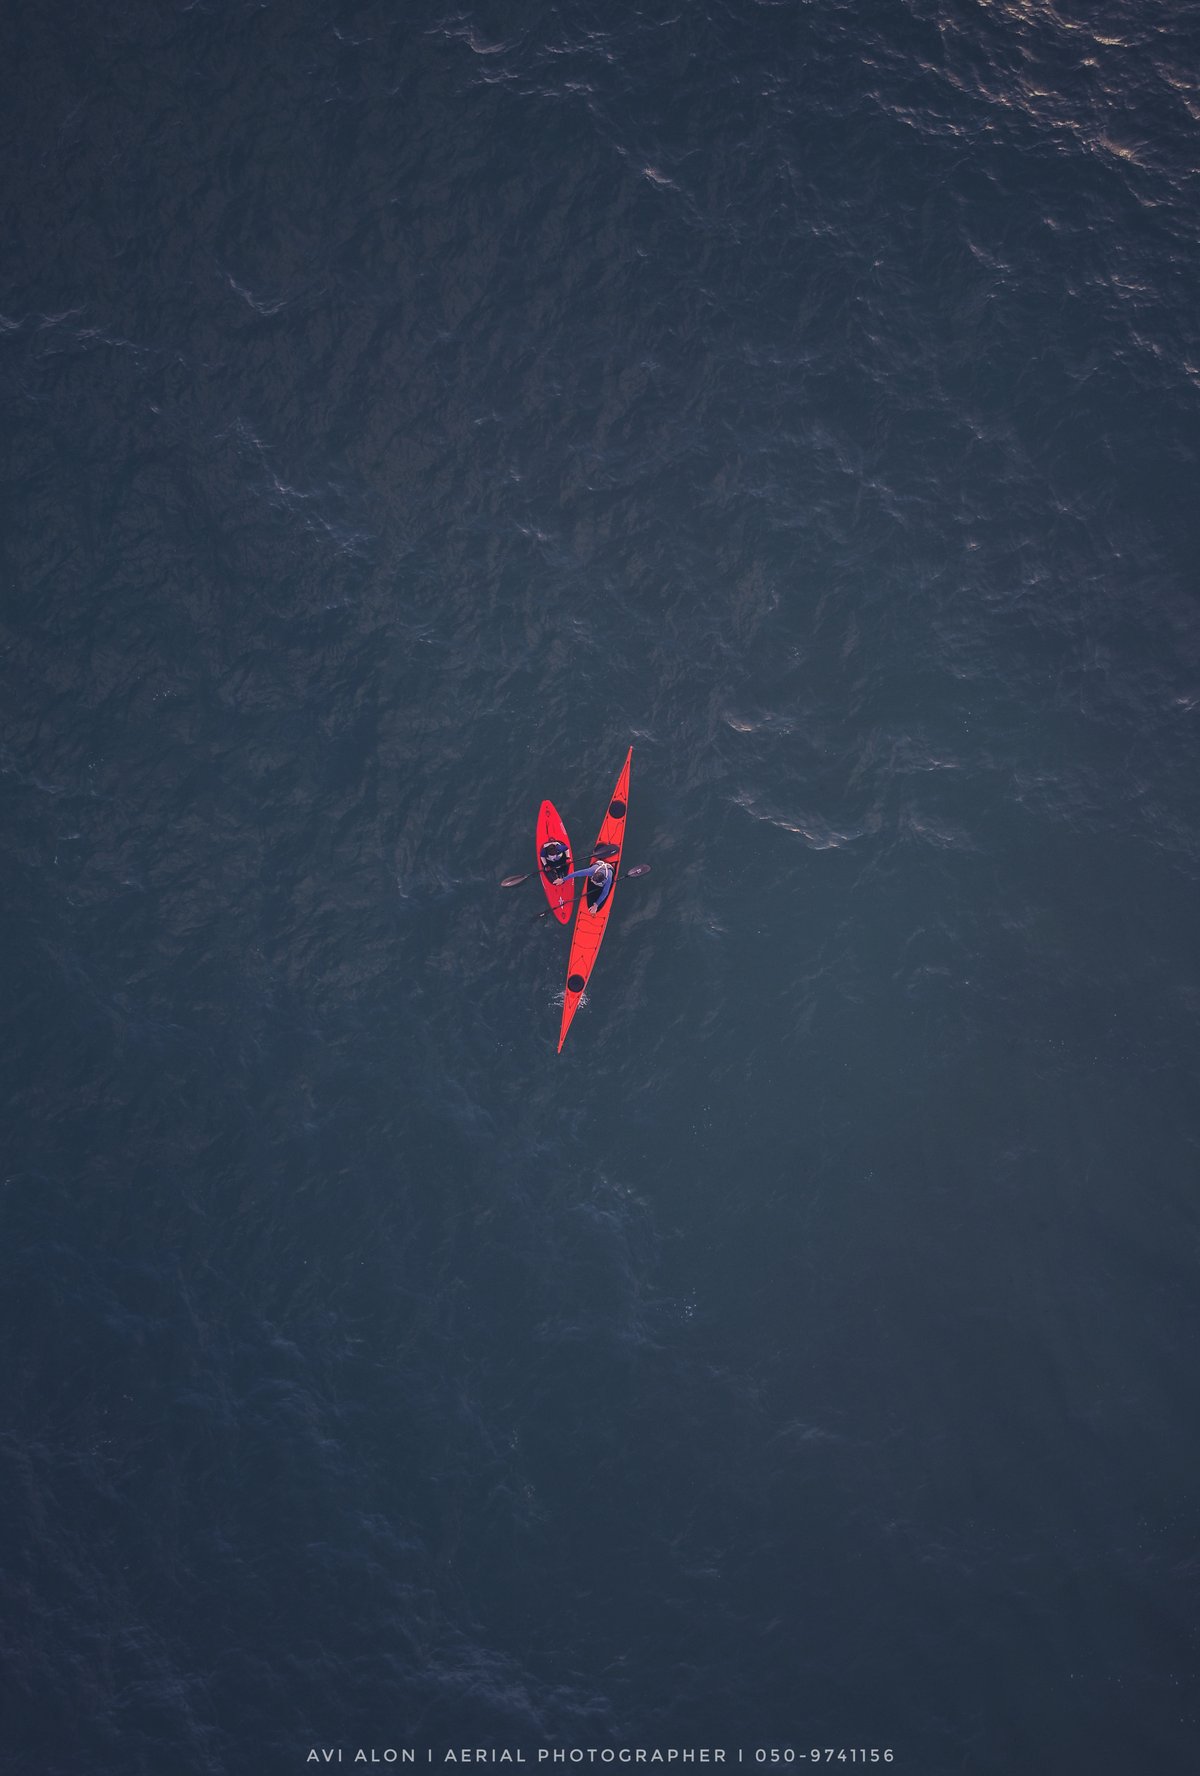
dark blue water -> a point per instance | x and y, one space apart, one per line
407 411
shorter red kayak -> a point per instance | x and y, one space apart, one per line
560 894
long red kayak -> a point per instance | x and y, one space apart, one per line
560 894
590 922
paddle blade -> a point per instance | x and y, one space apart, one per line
639 869
606 851
512 881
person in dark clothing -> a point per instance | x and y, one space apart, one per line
553 858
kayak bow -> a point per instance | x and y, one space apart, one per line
561 895
592 922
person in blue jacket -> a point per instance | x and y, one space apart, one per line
600 877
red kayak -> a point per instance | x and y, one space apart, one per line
592 922
560 894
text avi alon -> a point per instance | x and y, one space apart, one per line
338 1754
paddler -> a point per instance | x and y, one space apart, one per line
601 876
553 859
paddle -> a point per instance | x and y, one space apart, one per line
601 851
639 869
